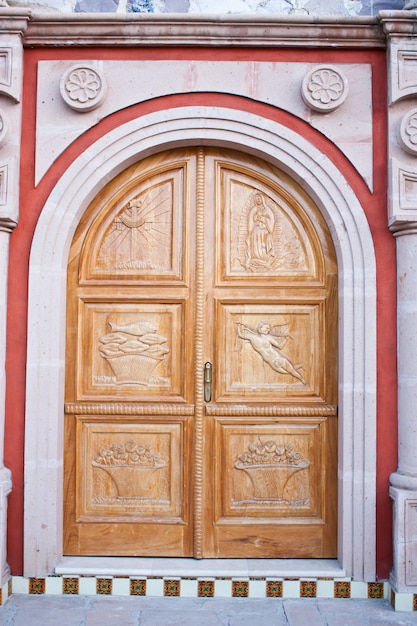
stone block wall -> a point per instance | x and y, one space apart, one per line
343 8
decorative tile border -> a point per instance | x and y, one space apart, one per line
342 589
375 590
308 589
207 587
172 588
273 589
137 586
37 586
104 586
403 601
70 586
240 588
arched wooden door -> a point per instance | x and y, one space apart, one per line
201 377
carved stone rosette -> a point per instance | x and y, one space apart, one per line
3 127
83 88
408 132
324 88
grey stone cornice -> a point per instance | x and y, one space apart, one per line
7 224
13 20
400 23
50 30
403 227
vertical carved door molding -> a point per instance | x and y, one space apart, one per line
188 258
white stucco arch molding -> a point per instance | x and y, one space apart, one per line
46 327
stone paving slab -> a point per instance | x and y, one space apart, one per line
29 610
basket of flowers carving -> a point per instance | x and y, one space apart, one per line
270 467
131 467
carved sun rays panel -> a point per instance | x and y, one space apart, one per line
139 231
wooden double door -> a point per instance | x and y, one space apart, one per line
201 367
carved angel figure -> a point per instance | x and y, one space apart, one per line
269 346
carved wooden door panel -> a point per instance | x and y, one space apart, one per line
201 365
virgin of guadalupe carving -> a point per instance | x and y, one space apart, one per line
133 351
267 240
269 345
260 249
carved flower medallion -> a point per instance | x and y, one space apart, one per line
408 132
82 88
3 127
324 88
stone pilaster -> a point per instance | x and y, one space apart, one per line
5 475
400 29
13 23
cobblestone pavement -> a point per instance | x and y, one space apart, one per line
27 610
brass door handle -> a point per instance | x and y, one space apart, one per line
208 378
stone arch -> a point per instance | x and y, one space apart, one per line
357 324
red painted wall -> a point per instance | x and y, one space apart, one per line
374 204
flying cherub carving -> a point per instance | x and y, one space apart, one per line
268 343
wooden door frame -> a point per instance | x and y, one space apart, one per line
344 215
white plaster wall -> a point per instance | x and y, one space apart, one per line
277 84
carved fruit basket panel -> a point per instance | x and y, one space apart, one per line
270 470
130 469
